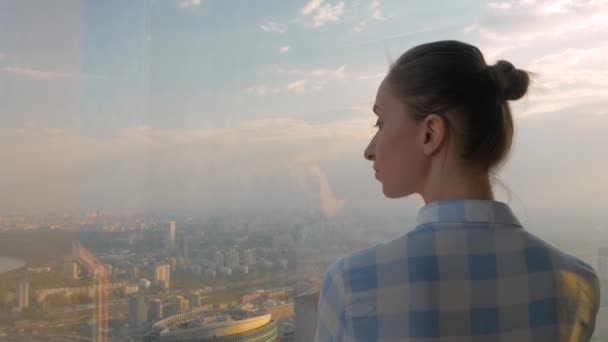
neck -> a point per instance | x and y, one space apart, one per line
457 184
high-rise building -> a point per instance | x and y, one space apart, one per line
233 258
162 276
195 300
249 257
182 247
133 272
23 295
178 302
156 310
138 313
173 262
171 237
305 321
218 258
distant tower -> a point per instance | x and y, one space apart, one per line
182 247
178 302
137 310
156 310
171 237
218 258
195 300
233 257
23 295
248 257
162 276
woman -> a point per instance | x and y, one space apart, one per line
468 271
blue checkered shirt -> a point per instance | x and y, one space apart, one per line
467 272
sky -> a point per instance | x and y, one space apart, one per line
201 106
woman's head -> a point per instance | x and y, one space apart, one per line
442 111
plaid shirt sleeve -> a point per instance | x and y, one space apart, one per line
331 318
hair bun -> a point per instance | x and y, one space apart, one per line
511 82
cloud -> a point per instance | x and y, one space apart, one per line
298 86
189 3
284 48
44 74
398 36
311 80
503 6
272 26
250 132
311 6
282 129
322 13
573 78
54 131
148 168
521 21
263 90
327 13
360 26
376 76
534 35
308 81
375 11
329 73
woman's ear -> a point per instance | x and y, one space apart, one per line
434 133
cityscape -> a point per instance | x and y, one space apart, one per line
147 278
108 278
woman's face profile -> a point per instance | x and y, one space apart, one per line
396 148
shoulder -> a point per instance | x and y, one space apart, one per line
562 260
576 277
340 271
578 274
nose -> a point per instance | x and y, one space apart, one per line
369 152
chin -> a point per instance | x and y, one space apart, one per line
394 193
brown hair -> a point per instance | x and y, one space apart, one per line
452 79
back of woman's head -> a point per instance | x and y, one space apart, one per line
452 79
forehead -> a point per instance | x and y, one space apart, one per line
385 91
385 98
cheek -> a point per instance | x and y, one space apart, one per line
400 160
397 149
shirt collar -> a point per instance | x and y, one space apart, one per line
474 211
